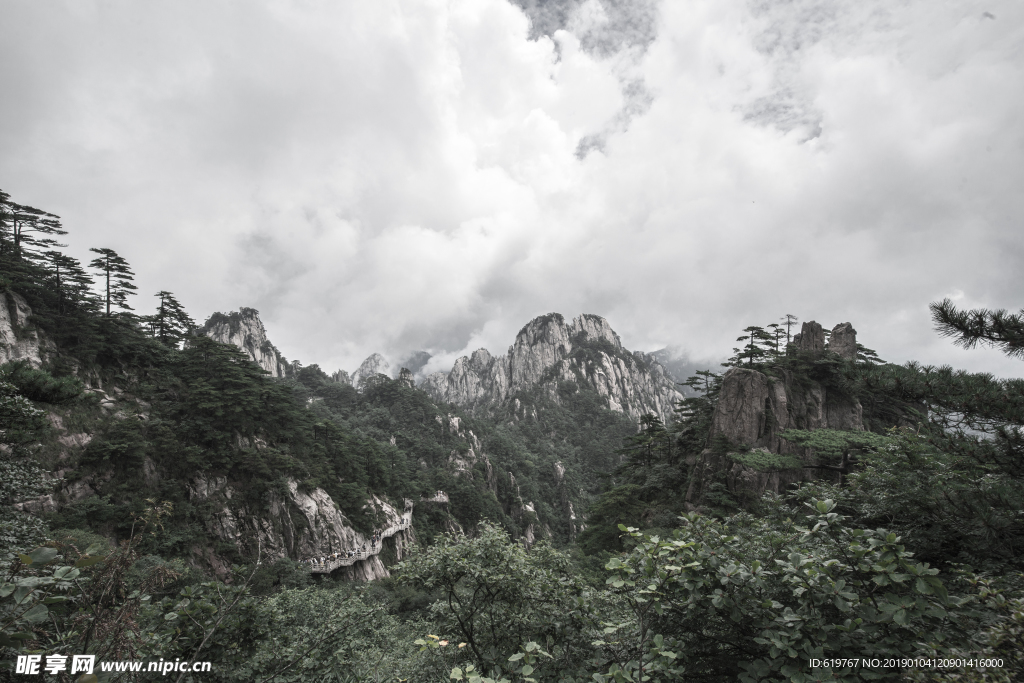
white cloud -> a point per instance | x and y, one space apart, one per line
399 175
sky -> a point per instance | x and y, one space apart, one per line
404 175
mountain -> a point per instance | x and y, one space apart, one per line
245 330
548 350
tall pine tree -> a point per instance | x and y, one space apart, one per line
170 325
25 228
117 277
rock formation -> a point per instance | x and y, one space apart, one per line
754 408
376 364
298 524
843 341
19 340
585 351
245 330
810 339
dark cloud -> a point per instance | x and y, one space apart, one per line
427 176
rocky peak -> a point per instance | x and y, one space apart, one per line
376 364
586 351
245 330
811 338
843 341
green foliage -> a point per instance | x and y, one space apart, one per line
948 508
1000 329
117 277
835 445
763 460
24 230
497 597
760 345
170 325
22 423
40 386
757 598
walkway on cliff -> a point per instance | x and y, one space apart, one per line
349 558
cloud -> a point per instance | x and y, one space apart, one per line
400 176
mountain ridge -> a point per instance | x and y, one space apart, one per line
547 350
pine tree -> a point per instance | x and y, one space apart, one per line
24 228
776 332
71 284
789 320
170 324
756 348
117 276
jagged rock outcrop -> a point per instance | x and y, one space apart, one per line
843 341
19 340
753 409
341 377
586 351
297 524
376 364
245 330
810 339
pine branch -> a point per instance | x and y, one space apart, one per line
968 329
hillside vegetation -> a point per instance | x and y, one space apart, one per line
152 479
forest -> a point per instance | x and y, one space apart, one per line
899 543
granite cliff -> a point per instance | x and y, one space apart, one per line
19 339
754 408
585 351
245 330
297 524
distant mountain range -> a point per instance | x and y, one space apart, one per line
548 350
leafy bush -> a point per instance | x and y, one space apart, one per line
758 598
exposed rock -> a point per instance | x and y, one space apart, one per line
743 406
811 338
374 365
405 377
342 377
245 330
299 524
843 341
563 494
752 411
37 506
438 497
585 351
19 339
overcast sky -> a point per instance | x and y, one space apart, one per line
399 175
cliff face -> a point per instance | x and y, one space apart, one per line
298 524
18 339
586 351
753 409
245 330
